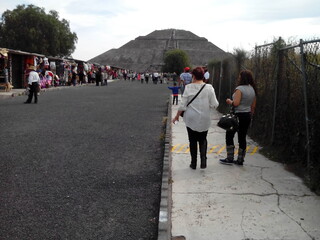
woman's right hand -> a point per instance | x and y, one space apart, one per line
175 119
229 101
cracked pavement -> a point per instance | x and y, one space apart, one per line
258 201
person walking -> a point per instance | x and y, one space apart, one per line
185 78
155 77
201 98
74 75
98 76
206 74
142 77
175 93
244 103
147 75
81 76
33 82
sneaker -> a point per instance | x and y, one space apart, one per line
226 161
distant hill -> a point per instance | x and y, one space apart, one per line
147 52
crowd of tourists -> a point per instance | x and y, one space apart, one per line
146 77
72 74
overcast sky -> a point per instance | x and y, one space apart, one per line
105 24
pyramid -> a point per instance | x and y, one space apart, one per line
147 52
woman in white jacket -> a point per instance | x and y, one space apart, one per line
197 115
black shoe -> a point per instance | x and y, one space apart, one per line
226 161
203 166
27 102
240 163
193 166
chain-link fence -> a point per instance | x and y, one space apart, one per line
287 114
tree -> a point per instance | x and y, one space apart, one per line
240 56
175 61
29 28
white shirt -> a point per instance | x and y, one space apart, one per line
33 77
206 75
197 114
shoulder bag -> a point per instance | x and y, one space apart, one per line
229 121
182 113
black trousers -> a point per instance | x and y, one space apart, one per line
175 99
244 123
194 138
33 92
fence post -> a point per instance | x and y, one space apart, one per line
275 96
255 61
212 75
304 79
230 84
220 77
276 77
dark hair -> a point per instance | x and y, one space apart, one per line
198 73
246 78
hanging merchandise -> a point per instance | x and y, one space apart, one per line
52 66
46 62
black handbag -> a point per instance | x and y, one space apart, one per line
182 113
229 122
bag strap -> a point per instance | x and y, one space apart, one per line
196 95
232 110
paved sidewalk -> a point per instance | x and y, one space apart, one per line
22 91
260 200
12 93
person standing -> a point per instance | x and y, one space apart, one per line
81 76
175 93
174 77
124 74
147 77
155 77
93 75
74 75
197 115
106 75
98 76
185 78
33 82
244 103
206 75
